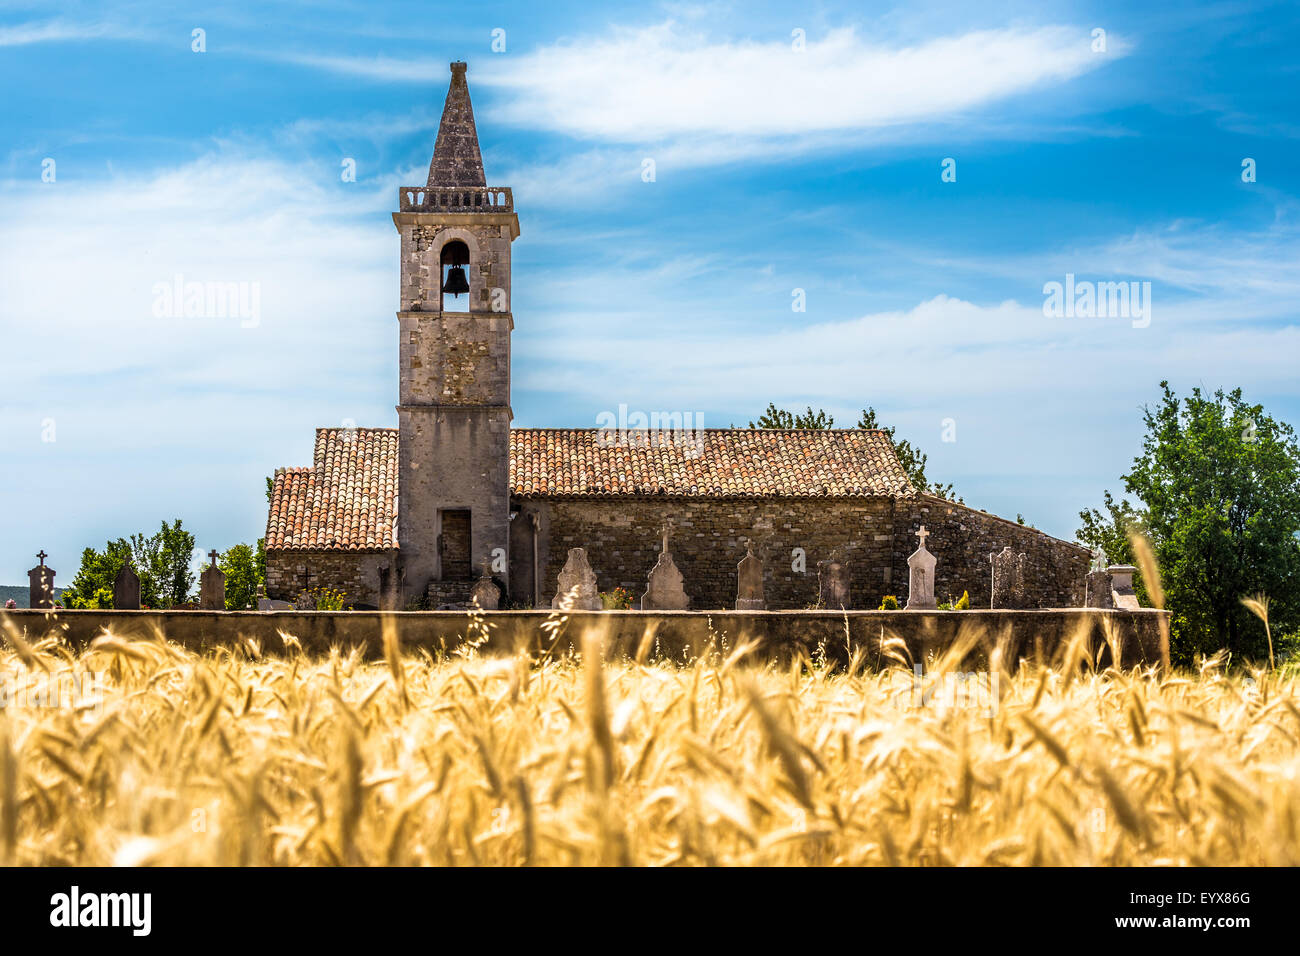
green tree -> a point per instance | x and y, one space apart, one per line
1219 485
92 587
163 559
240 565
910 457
1110 532
779 418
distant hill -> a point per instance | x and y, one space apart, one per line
19 593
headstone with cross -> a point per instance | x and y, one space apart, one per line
126 589
749 582
576 586
920 576
212 586
40 584
485 594
833 577
665 586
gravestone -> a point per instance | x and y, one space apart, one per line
266 604
40 584
833 584
212 586
920 579
1008 586
1097 590
485 595
749 582
577 573
665 590
126 589
1122 592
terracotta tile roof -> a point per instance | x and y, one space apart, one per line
713 462
348 499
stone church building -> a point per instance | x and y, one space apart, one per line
405 517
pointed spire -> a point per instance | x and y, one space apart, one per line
456 159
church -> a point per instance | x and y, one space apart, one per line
409 517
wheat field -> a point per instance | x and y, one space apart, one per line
237 759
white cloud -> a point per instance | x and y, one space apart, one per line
382 68
661 82
61 31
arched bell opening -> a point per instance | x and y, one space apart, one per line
455 276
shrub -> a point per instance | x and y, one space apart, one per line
619 599
890 603
322 599
964 603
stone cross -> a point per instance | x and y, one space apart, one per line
920 582
485 594
577 574
665 587
668 526
212 586
749 582
40 584
212 556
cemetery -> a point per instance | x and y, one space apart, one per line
794 538
1117 629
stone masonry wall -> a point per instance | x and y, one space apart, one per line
961 538
355 573
622 538
873 535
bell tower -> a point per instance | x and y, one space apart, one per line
454 325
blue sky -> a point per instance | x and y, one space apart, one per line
776 168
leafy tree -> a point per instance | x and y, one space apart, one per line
240 565
779 418
912 459
162 560
92 587
1219 486
1111 533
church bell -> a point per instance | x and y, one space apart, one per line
455 283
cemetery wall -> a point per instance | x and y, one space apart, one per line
623 535
873 536
961 538
1140 635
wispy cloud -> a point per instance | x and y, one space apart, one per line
63 31
666 81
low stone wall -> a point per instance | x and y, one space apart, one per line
674 635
